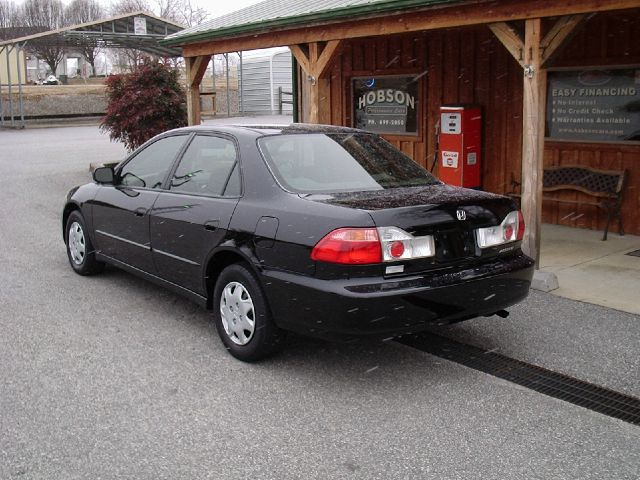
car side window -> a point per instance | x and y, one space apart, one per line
208 167
149 167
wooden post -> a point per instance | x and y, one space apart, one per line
323 88
533 54
534 96
314 62
305 96
314 100
195 69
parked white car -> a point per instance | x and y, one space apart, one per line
51 80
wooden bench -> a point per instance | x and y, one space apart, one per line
606 186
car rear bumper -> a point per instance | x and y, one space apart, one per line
364 306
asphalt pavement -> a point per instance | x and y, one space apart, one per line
112 377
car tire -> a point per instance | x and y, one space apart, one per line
80 251
242 317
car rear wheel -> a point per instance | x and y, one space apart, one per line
242 316
79 247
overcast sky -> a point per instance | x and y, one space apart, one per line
217 8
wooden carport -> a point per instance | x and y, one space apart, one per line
532 31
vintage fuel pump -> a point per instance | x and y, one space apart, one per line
460 146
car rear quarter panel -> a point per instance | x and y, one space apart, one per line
300 223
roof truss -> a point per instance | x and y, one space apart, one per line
114 32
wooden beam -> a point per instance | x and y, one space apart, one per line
476 13
314 53
324 60
510 39
195 69
559 34
315 64
199 68
193 65
533 117
301 58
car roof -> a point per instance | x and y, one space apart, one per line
264 130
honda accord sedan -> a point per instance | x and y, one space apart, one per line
321 230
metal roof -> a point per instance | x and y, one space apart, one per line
114 32
271 14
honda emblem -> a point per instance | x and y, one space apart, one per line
461 214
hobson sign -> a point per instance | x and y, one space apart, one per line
386 104
594 105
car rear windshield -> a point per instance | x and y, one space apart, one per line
339 162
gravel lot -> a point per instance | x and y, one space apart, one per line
112 377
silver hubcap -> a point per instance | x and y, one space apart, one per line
237 313
77 246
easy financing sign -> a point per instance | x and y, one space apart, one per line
386 104
594 105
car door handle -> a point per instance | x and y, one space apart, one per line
212 225
140 212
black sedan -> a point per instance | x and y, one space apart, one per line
325 231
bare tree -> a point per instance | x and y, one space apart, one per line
8 17
120 7
190 14
83 11
44 15
168 9
11 24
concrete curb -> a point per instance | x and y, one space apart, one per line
544 281
92 121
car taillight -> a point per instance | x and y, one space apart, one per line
371 245
510 230
520 234
349 246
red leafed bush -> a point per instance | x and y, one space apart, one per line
143 104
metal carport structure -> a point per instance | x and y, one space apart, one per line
137 30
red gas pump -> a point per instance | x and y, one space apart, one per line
460 146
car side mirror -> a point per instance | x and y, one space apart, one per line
103 175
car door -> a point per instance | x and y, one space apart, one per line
191 218
121 211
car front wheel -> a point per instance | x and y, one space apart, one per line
242 316
79 247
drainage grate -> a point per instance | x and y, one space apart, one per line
635 253
557 385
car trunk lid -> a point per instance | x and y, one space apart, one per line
450 214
